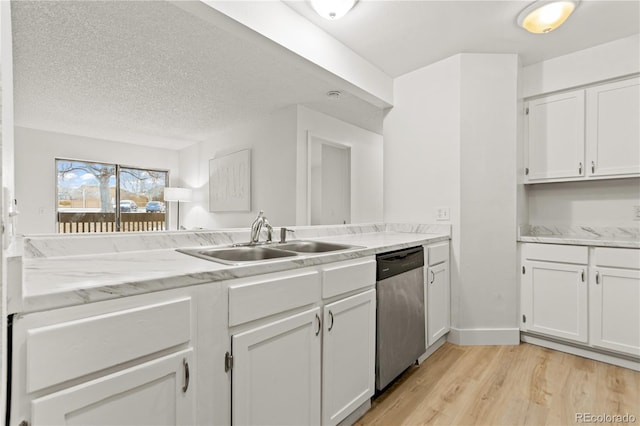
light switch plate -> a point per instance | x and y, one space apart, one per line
636 212
442 213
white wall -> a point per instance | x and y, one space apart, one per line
609 60
366 164
450 141
604 203
273 179
422 153
488 228
35 170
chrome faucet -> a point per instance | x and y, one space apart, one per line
256 226
269 230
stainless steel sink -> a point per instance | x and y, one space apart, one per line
238 255
313 246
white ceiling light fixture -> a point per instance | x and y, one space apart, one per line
544 16
332 9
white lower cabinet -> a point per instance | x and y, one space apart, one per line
299 359
615 309
558 295
348 355
276 372
437 292
438 322
589 296
153 393
121 362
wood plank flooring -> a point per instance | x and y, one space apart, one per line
505 385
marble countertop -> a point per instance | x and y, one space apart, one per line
581 236
54 282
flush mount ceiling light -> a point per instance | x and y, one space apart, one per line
544 16
332 9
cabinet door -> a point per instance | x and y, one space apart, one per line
438 319
555 137
348 355
158 392
613 129
615 309
557 300
276 372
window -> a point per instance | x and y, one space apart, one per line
104 197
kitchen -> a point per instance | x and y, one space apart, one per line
451 121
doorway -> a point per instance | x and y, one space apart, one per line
329 182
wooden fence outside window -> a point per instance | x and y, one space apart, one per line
84 222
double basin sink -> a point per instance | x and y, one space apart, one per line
242 253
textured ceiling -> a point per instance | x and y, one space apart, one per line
401 36
149 73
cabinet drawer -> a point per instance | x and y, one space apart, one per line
557 253
437 253
348 276
259 299
617 258
72 349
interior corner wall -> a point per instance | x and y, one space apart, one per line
488 231
35 154
450 141
366 164
422 153
272 141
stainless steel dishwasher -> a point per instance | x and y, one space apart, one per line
400 313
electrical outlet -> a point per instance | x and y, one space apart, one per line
442 213
636 212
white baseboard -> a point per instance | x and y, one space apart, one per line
431 349
357 413
484 336
583 352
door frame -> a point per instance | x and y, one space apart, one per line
324 141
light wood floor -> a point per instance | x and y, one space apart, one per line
505 385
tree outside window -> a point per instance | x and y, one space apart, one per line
88 194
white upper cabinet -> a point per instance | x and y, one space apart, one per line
584 134
555 137
613 128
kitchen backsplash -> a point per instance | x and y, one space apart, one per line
39 246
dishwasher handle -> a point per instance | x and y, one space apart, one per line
398 262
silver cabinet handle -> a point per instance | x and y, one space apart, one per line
433 277
331 325
597 277
582 276
593 167
319 324
580 168
185 367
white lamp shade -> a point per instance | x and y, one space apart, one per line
178 194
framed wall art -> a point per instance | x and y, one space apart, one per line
230 182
